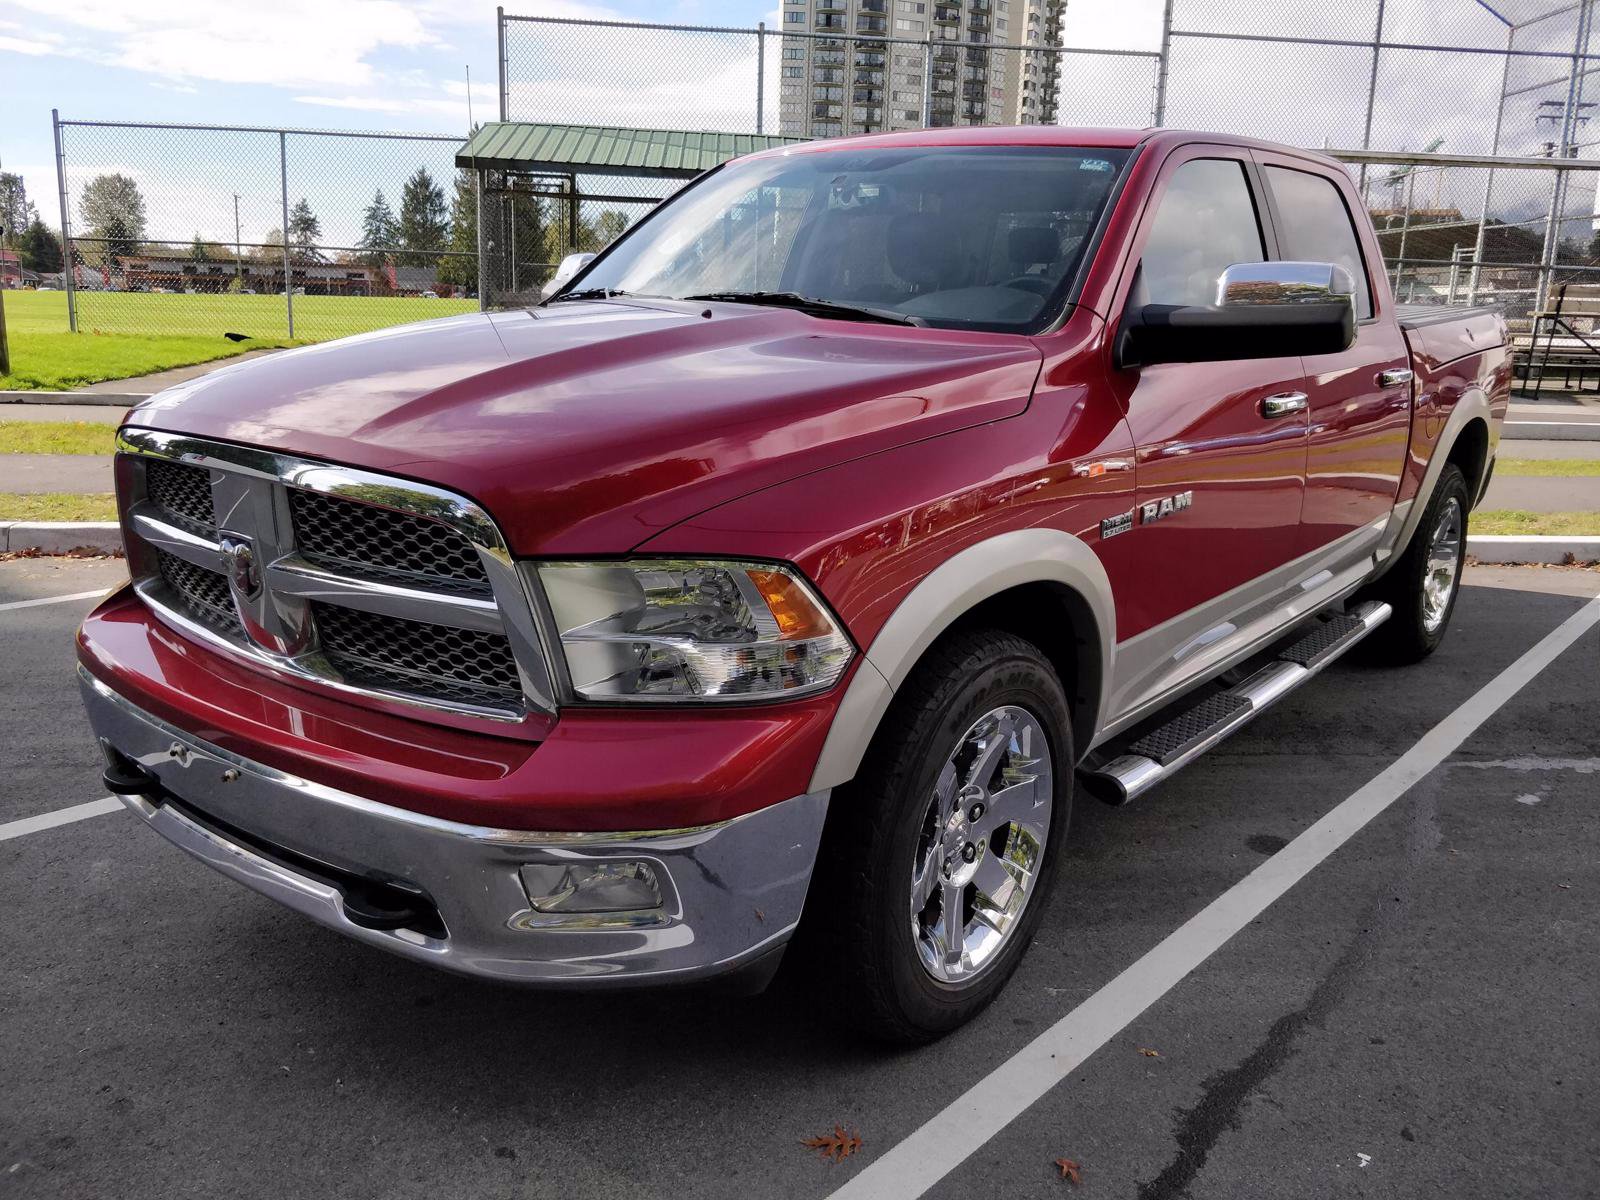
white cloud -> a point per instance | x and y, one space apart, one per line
295 44
27 46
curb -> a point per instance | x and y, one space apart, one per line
1551 431
57 537
109 399
1514 548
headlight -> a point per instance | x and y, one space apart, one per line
668 630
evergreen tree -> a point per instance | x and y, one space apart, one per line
379 232
40 248
424 220
305 231
460 267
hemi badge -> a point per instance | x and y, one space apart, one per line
1112 526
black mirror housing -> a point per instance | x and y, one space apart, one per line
1162 333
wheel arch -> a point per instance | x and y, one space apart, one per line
1041 584
1467 434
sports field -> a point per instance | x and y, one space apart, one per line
123 334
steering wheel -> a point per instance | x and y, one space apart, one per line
1037 284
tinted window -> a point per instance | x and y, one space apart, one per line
1315 226
979 236
1206 222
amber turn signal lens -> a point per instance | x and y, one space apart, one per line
797 617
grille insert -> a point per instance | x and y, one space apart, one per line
182 492
413 656
205 594
380 542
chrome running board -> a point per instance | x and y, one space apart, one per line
1164 751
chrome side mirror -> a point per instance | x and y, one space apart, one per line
570 266
1284 283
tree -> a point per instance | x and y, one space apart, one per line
14 209
197 252
305 231
113 212
460 267
379 232
424 220
39 247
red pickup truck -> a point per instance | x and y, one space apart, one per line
789 571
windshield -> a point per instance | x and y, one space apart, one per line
971 237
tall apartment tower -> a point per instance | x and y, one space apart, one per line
845 77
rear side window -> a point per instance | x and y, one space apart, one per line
1314 226
1206 223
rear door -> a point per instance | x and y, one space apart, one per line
1360 398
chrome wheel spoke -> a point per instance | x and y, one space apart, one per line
1014 803
997 743
1443 565
926 879
952 928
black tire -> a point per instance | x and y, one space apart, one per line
1410 635
862 948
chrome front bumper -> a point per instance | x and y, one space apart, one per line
731 893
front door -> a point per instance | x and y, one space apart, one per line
1219 479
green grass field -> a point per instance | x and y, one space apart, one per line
126 334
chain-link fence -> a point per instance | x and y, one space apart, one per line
277 234
843 68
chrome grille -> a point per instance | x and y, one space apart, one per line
456 662
334 576
181 491
345 533
204 593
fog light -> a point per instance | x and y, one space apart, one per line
591 887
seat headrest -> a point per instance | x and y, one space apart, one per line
924 250
1032 244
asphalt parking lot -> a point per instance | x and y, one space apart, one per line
1418 1016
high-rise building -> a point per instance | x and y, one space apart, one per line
859 67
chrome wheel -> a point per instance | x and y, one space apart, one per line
1444 565
981 843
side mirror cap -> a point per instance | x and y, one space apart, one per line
570 266
1284 283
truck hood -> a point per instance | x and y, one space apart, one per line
587 428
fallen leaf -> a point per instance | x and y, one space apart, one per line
1069 1170
836 1145
1149 1053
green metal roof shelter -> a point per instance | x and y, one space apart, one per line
525 146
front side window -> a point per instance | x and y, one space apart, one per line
1206 222
986 237
1315 226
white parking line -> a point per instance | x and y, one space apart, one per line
914 1165
61 816
51 600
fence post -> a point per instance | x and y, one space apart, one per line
761 71
1488 184
68 254
502 63
1372 92
477 208
1161 65
1405 228
288 273
927 84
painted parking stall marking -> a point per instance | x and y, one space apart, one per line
11 604
930 1153
61 816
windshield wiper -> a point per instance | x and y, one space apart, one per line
589 294
814 307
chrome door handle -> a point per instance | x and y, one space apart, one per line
1394 377
1283 404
